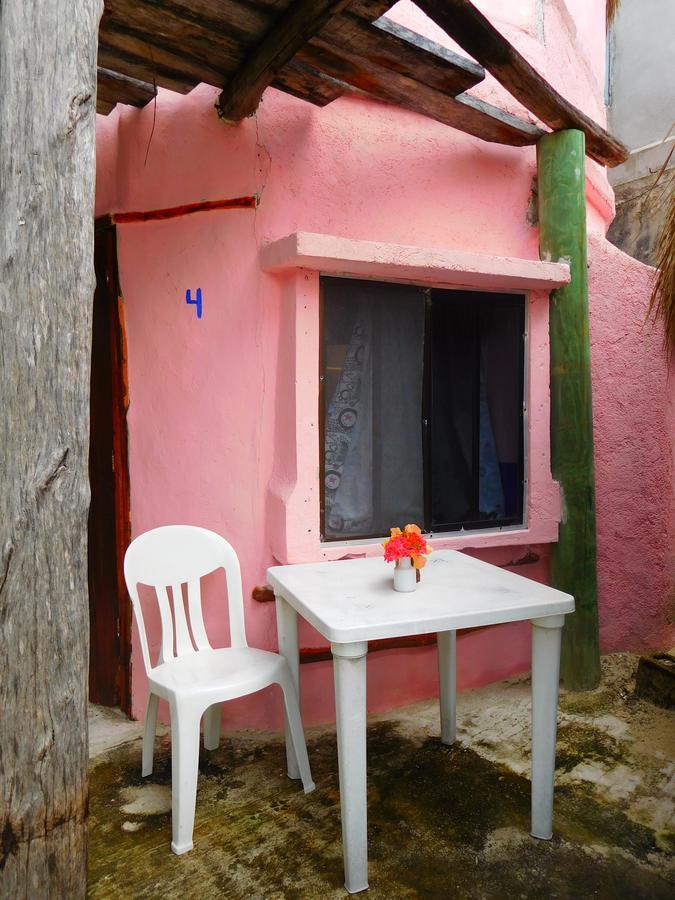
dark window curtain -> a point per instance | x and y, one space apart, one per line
465 469
455 352
373 465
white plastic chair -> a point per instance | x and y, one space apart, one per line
190 674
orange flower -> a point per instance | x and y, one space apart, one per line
415 529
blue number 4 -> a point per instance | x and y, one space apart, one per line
197 302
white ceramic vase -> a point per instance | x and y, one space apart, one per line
405 575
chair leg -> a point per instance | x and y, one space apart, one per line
149 734
212 727
184 771
297 734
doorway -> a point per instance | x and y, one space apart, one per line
109 528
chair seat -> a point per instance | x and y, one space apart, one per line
230 671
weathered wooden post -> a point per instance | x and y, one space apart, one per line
562 224
47 169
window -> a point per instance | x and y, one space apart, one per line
421 408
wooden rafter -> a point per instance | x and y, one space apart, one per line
114 88
150 57
190 41
393 47
104 107
300 22
319 49
309 84
464 112
473 31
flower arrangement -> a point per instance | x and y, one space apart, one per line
407 543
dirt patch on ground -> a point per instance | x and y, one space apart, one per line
443 821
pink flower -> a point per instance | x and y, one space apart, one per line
407 543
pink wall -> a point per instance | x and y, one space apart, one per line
206 395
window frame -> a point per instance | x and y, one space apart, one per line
295 264
473 525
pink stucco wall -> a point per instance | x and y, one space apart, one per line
206 396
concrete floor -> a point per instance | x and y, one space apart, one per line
443 822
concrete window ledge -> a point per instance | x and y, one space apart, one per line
297 262
336 255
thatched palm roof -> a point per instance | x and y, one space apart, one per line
663 295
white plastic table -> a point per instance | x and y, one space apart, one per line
353 601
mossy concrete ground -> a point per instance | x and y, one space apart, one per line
443 821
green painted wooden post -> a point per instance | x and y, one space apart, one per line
562 224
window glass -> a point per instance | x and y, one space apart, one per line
422 394
372 387
475 386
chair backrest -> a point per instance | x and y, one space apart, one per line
171 556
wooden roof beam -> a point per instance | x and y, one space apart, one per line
131 57
304 18
394 47
465 24
375 80
173 45
309 84
113 87
104 107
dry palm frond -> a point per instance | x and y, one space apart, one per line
662 303
612 7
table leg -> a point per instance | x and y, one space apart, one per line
447 677
546 634
287 632
349 669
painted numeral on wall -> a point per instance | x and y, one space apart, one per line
196 302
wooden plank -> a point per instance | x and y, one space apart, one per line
471 29
104 107
104 600
208 39
109 512
392 46
187 41
309 84
463 112
112 87
220 33
167 61
237 24
142 66
562 235
368 10
303 19
47 175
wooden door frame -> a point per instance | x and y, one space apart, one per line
120 405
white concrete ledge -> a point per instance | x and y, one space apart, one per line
372 259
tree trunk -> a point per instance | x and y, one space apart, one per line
47 171
562 235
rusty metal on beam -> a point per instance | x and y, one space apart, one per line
174 212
